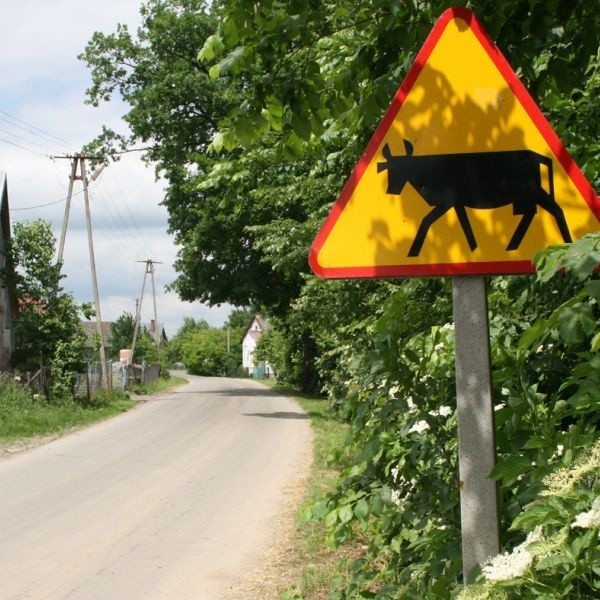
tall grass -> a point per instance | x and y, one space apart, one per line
24 414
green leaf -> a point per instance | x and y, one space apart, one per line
593 288
301 126
508 469
533 335
232 63
345 513
213 46
332 518
361 509
217 142
576 322
536 514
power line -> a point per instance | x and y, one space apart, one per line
34 128
127 209
22 139
23 147
44 205
116 218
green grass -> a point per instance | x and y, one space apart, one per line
26 415
158 386
42 419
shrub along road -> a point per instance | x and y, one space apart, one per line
174 499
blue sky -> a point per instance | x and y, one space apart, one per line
42 113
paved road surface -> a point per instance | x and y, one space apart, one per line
173 500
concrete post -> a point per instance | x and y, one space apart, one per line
476 431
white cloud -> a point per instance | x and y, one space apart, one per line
42 91
42 39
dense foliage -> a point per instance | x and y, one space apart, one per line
256 135
205 350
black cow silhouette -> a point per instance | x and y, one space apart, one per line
475 180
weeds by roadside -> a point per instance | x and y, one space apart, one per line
24 414
27 415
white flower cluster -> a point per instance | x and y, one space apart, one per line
405 488
590 518
396 497
419 427
558 452
514 564
393 391
442 411
541 348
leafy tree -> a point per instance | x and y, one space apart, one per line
286 94
48 330
122 338
189 326
122 334
205 352
145 348
239 318
175 108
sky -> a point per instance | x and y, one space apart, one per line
42 115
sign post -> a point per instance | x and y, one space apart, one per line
476 432
463 177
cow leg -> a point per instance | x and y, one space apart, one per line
550 205
429 219
520 231
463 219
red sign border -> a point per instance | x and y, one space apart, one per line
535 114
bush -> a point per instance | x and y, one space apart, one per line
401 494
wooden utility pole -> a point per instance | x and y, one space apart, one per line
78 161
148 270
156 333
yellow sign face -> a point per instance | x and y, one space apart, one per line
464 175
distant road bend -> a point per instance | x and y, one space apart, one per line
174 500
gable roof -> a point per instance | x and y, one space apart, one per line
255 335
90 329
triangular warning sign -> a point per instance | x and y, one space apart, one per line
464 175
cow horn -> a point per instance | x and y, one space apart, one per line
408 147
387 153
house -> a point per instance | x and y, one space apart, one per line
91 330
253 333
8 304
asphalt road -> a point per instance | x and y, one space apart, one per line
173 500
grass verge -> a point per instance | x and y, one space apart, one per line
158 386
312 566
25 415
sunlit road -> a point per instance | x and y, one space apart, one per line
173 500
